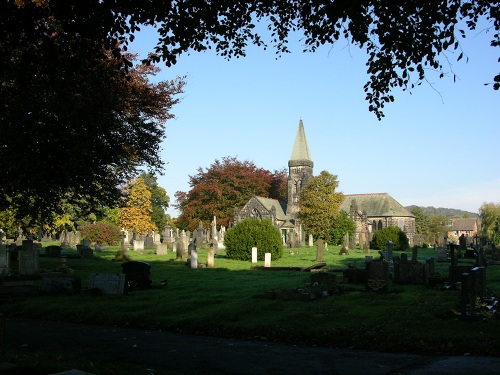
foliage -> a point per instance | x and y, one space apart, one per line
320 205
421 220
391 233
102 233
448 212
253 232
136 212
404 41
226 184
111 215
75 124
344 224
490 221
159 201
437 227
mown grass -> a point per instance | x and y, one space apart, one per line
228 301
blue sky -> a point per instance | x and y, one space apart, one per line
437 146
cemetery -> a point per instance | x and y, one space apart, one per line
357 297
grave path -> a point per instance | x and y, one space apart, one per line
211 355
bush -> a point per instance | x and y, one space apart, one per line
392 233
252 232
101 232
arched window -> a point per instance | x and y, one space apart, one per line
374 225
380 225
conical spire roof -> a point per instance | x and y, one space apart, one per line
300 150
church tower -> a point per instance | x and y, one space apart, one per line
300 171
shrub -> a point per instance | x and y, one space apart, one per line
101 232
252 232
392 233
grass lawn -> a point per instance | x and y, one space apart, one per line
228 301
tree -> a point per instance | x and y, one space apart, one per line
391 233
159 201
75 123
404 40
437 227
253 232
136 212
490 221
421 220
217 190
344 224
320 205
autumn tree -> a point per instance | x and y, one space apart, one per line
226 184
490 221
159 201
136 211
320 205
77 119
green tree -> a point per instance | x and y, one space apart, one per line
70 110
490 221
421 220
159 201
344 224
217 190
391 233
136 211
320 205
253 232
437 227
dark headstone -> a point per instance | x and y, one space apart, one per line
60 283
53 251
137 275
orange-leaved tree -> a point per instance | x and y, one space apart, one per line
136 212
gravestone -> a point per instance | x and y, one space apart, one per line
267 260
194 257
138 245
53 251
162 249
4 260
311 243
137 275
85 252
211 257
462 243
60 283
254 255
108 283
215 246
149 243
28 259
378 277
319 250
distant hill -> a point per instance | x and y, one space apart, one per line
448 212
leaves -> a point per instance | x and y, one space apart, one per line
136 213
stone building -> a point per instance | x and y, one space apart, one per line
371 212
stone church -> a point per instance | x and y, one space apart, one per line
371 212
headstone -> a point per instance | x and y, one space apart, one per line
4 260
254 255
211 257
60 283
162 249
108 283
53 251
86 242
137 275
138 245
378 277
319 250
84 252
311 243
98 248
28 259
215 246
389 248
267 260
148 243
194 258
462 243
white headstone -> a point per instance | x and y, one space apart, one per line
194 258
267 260
138 245
254 255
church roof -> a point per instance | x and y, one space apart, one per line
375 205
300 150
268 203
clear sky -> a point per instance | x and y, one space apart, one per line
437 146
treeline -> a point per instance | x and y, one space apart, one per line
448 212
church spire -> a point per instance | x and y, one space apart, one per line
300 152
